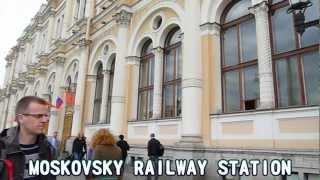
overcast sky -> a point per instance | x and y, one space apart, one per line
15 15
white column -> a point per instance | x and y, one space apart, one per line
191 75
264 55
57 92
80 93
157 86
105 94
118 114
135 65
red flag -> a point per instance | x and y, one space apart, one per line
69 98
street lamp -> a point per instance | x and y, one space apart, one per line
298 8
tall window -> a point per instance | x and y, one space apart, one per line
239 58
77 12
172 73
111 76
146 79
98 95
295 58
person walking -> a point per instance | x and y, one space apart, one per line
79 147
154 146
55 143
105 148
124 146
26 141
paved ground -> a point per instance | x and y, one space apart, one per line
127 176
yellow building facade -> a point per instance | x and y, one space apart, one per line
212 79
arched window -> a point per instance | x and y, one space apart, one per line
77 8
146 78
98 95
111 75
240 81
50 94
69 83
295 58
172 72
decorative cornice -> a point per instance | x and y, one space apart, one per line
210 28
43 58
260 7
84 42
133 60
123 17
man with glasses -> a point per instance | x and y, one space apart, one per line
26 141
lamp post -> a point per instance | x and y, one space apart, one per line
298 8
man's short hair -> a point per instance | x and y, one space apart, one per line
152 135
24 103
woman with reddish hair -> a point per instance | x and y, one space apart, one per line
105 148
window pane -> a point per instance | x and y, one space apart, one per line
311 64
312 12
248 40
150 106
96 111
232 91
178 62
176 37
143 74
230 46
238 10
288 82
276 1
283 31
293 177
313 176
169 66
142 106
168 101
178 99
151 70
311 36
251 83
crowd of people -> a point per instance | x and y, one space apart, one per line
27 142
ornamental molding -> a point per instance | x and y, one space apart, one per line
192 82
210 28
118 99
261 7
158 50
123 17
133 60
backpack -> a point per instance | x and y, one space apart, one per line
161 150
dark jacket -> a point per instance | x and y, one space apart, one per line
11 151
124 146
79 145
154 147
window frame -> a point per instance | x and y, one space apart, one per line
240 66
146 57
176 81
298 53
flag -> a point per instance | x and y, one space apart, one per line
59 102
69 98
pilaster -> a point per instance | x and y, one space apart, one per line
191 77
134 62
119 91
